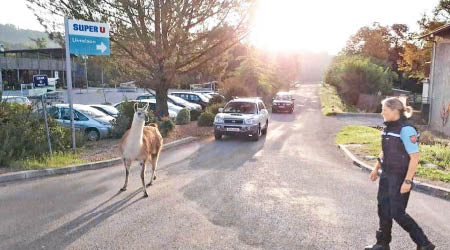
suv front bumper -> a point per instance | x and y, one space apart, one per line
228 129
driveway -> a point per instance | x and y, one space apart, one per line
293 189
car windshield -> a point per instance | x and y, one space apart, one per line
110 110
91 112
283 98
203 97
178 99
146 96
240 107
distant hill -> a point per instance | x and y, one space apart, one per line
13 38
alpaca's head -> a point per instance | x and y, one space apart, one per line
140 113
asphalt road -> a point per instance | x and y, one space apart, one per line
292 189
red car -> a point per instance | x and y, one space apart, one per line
283 102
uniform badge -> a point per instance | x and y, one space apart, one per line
413 138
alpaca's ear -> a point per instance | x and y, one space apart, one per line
135 106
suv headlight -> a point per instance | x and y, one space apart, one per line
249 121
218 119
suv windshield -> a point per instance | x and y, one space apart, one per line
283 98
240 107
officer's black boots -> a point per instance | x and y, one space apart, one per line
378 247
429 247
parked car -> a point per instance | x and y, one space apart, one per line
17 99
283 101
193 97
242 116
107 109
174 100
146 96
173 109
91 121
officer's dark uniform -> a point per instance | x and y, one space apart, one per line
392 203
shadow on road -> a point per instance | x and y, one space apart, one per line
63 236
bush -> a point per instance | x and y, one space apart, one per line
354 75
206 119
184 117
195 114
216 99
125 118
166 126
23 135
427 137
215 108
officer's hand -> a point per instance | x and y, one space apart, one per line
374 175
405 188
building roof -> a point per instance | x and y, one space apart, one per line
440 30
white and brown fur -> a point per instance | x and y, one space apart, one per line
140 143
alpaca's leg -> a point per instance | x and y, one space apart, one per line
143 178
154 164
126 164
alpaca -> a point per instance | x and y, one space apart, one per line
140 143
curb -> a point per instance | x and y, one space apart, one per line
425 188
23 175
349 114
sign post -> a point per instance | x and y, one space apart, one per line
83 38
69 81
44 107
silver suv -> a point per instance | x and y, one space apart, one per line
242 116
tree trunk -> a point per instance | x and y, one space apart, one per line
162 108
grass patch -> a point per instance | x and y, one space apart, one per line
58 160
331 102
370 138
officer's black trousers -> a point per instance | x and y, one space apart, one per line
392 205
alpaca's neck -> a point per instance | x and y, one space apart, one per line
136 131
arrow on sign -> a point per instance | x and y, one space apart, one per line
101 47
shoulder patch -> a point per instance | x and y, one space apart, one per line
413 138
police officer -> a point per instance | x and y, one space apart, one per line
398 163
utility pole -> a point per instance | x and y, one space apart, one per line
2 49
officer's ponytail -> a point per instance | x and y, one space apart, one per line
395 103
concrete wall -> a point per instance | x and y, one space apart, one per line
440 85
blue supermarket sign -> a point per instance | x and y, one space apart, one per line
88 38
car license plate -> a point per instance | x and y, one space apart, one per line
233 129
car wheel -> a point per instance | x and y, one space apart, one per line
255 137
93 134
218 137
264 131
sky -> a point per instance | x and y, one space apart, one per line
326 25
292 25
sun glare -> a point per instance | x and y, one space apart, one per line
288 25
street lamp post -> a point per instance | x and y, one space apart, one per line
85 73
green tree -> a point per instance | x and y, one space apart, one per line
39 43
355 75
159 39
